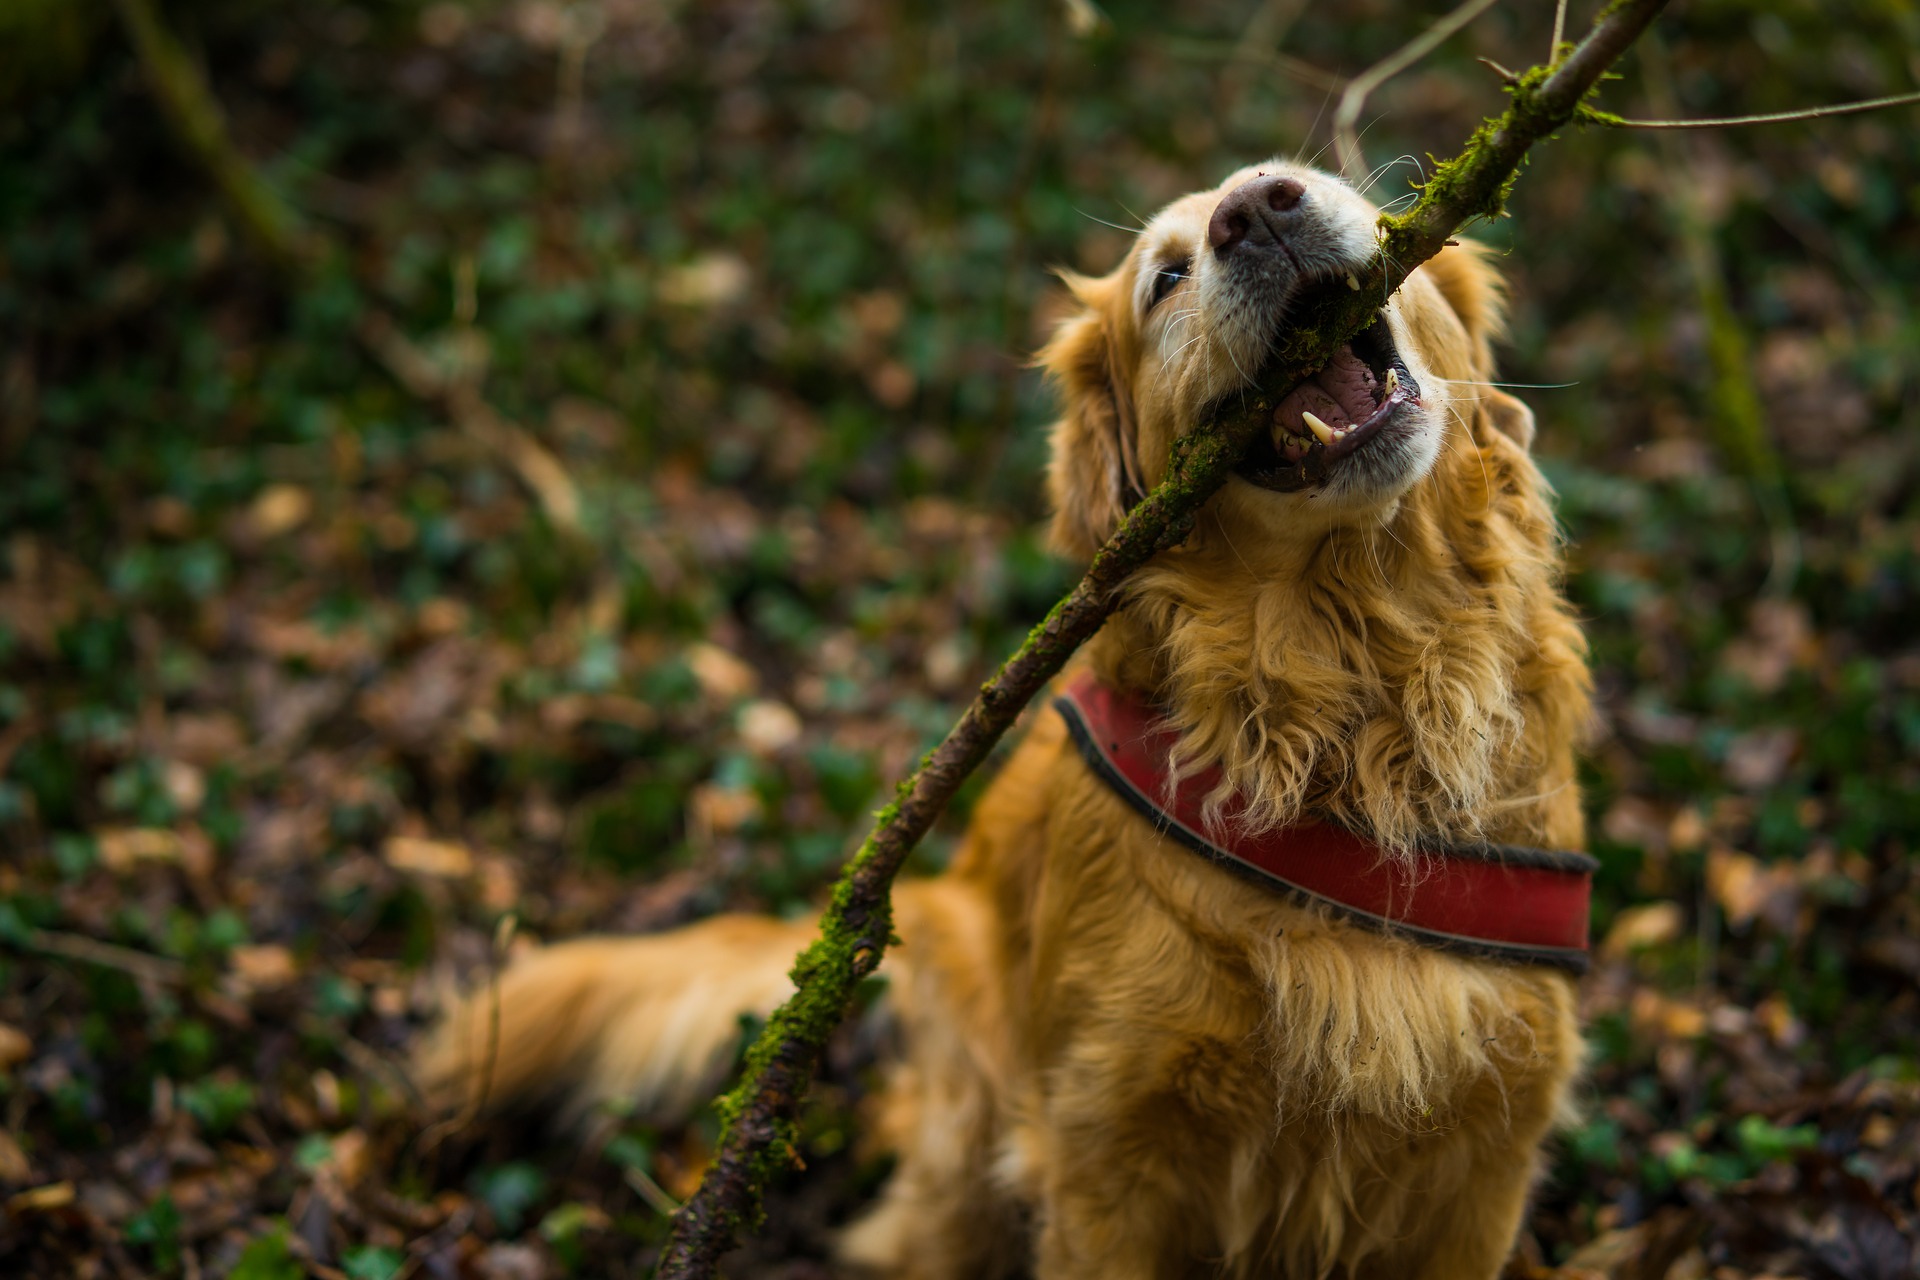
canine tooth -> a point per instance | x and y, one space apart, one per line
1393 381
1319 428
1353 282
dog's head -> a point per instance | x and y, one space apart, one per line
1366 620
1188 318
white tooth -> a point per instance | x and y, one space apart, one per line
1393 381
1319 428
1353 282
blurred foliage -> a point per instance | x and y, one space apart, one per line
303 686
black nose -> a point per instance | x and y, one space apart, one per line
1258 212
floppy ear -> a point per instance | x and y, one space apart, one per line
1508 416
1474 289
1094 474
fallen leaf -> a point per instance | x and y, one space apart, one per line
1746 888
349 1157
267 967
55 1195
124 848
1654 924
280 508
186 785
14 1165
16 1046
1758 760
768 727
722 676
441 859
716 810
710 281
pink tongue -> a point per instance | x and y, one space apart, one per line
1341 394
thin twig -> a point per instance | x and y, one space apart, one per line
1259 41
1346 141
759 1114
293 248
545 477
1559 31
1773 117
177 82
470 1110
156 970
583 26
370 1064
1230 55
1742 421
656 1196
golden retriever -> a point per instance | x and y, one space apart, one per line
1119 1059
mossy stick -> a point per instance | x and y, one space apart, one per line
759 1138
264 218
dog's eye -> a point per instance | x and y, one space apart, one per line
1166 280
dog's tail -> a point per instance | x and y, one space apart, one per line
651 1022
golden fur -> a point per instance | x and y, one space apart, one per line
1119 1060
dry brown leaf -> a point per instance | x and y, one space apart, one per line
710 281
1654 924
1657 1017
16 1046
15 1168
55 1195
350 1157
267 967
1746 888
722 676
768 726
280 508
1758 760
124 848
441 859
717 811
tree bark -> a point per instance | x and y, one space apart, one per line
758 1140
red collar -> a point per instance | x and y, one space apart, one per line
1501 901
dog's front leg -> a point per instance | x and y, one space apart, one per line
1476 1234
1112 1203
1088 1235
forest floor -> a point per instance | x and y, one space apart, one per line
307 683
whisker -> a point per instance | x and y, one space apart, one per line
1388 530
1220 526
1486 476
1381 172
1315 158
1169 358
1366 183
1132 231
1167 368
1523 386
1181 317
1379 565
1244 379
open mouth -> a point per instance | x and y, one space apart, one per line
1333 414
